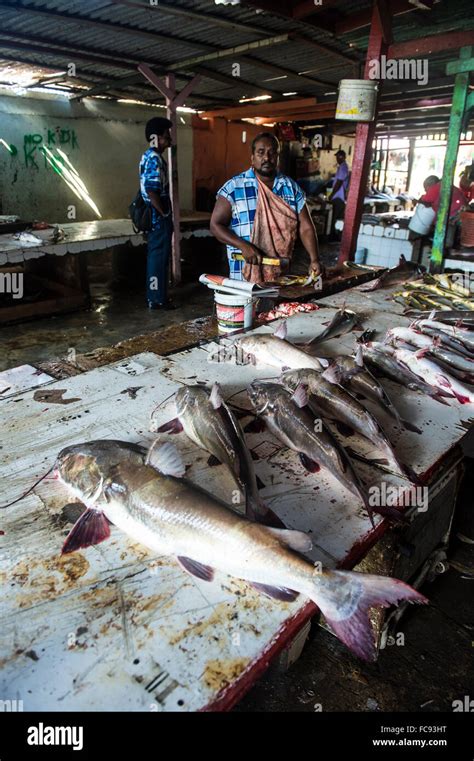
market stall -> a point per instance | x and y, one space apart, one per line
128 629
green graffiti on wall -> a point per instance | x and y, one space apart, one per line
34 141
57 136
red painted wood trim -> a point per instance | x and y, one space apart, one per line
437 43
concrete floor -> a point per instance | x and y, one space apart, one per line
118 312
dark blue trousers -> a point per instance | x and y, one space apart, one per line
159 251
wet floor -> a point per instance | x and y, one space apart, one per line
118 312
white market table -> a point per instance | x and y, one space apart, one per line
114 627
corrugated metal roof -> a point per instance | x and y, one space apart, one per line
112 37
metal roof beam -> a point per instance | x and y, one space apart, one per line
326 50
263 109
363 18
235 50
288 72
226 79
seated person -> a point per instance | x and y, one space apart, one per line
432 186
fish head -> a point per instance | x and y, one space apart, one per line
79 470
261 394
83 467
291 379
189 398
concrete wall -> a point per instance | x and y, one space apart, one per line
103 140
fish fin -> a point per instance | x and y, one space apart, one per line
91 528
166 459
379 461
344 429
295 540
255 426
260 484
195 568
345 598
277 593
410 426
333 374
460 397
281 331
213 460
391 513
373 285
311 465
420 353
216 397
300 396
441 399
411 475
258 512
172 426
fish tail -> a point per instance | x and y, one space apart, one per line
372 286
345 598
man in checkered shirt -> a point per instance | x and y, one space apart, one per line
234 213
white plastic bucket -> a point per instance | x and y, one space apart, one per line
356 100
234 312
422 220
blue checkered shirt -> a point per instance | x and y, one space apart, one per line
241 192
154 176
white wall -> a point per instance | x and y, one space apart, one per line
110 140
327 159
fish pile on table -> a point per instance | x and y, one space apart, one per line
146 493
440 292
439 354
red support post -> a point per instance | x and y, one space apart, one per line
378 43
